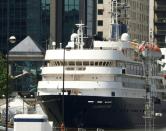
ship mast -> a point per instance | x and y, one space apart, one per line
116 16
80 42
149 113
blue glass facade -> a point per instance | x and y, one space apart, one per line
3 20
71 17
25 17
45 22
68 13
32 18
27 82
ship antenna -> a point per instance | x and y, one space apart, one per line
114 17
80 42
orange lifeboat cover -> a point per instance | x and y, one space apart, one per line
152 47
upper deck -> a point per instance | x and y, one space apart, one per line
80 55
101 51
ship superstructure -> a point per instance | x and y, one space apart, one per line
103 86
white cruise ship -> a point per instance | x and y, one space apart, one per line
112 84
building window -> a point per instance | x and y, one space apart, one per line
100 1
100 11
100 23
100 34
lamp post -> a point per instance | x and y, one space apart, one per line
63 85
12 40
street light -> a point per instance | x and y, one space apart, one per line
12 40
63 79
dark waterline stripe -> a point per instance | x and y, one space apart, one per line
29 120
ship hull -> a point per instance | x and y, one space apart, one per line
100 112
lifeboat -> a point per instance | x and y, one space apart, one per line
151 47
150 50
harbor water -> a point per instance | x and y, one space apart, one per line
163 129
113 130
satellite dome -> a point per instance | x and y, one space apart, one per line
73 36
125 37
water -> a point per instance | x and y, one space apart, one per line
164 129
129 130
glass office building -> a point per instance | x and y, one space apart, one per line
160 22
71 17
67 13
79 11
22 18
43 21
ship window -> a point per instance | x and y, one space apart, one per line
123 71
79 63
64 63
104 63
100 63
56 63
85 63
70 68
96 63
60 62
91 63
52 63
110 63
113 93
72 63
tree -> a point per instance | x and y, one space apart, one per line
3 74
3 77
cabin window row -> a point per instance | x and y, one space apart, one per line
82 63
